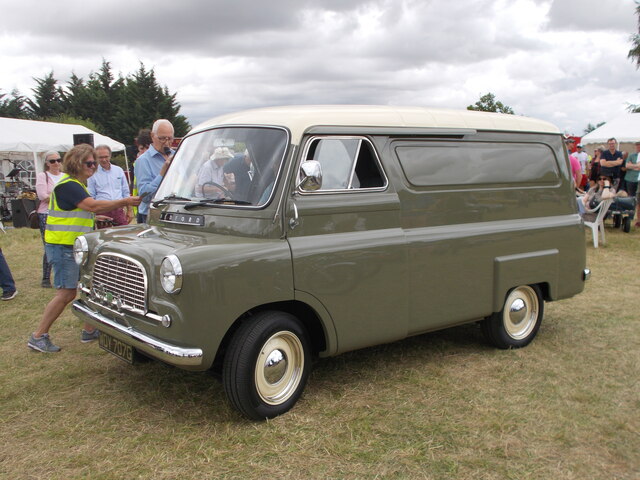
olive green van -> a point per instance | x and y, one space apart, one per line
335 228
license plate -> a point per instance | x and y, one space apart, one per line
116 347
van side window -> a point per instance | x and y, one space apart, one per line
348 163
477 163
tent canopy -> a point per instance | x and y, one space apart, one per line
18 135
625 129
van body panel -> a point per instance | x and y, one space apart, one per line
224 277
348 249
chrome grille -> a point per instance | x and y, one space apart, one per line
119 281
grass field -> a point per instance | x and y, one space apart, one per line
438 406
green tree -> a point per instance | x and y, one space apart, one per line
634 55
487 103
591 128
48 98
79 102
71 120
113 105
106 95
144 100
13 106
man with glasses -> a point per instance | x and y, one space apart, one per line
151 166
110 183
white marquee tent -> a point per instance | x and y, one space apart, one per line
23 143
625 129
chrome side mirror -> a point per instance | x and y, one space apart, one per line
310 175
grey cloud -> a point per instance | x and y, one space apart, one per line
593 15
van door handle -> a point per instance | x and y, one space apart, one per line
293 221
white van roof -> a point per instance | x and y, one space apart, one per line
299 118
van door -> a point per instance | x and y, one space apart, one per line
347 244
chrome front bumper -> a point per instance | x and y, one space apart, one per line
146 344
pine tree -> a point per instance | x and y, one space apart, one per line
13 106
48 98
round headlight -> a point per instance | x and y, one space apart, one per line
80 250
171 274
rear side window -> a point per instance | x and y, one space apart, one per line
348 163
477 163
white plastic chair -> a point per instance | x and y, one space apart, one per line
598 223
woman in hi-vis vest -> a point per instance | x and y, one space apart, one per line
71 214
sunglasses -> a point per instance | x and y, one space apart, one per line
91 164
603 178
55 160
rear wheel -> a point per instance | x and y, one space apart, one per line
517 324
616 220
266 365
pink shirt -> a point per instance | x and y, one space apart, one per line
576 169
44 186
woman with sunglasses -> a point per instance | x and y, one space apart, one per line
602 191
594 167
45 181
71 214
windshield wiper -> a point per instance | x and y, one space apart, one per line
173 196
217 201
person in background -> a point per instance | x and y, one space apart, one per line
594 167
143 141
239 171
110 183
631 167
151 166
611 162
71 214
7 283
45 181
583 158
576 172
212 173
602 191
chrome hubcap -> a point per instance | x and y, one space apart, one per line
279 368
275 367
521 312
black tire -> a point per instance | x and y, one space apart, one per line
266 365
517 324
626 224
616 221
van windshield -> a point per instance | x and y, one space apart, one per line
226 166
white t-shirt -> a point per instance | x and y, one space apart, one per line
582 157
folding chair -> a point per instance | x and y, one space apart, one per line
598 223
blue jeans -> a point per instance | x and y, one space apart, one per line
6 279
142 218
66 271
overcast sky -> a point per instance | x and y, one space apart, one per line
564 61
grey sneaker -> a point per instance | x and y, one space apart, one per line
86 337
42 344
9 295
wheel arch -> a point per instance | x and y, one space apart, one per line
309 318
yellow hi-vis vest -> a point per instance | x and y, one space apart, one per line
63 226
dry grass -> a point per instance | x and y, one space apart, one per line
438 406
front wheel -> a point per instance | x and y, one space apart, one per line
517 324
266 365
626 225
